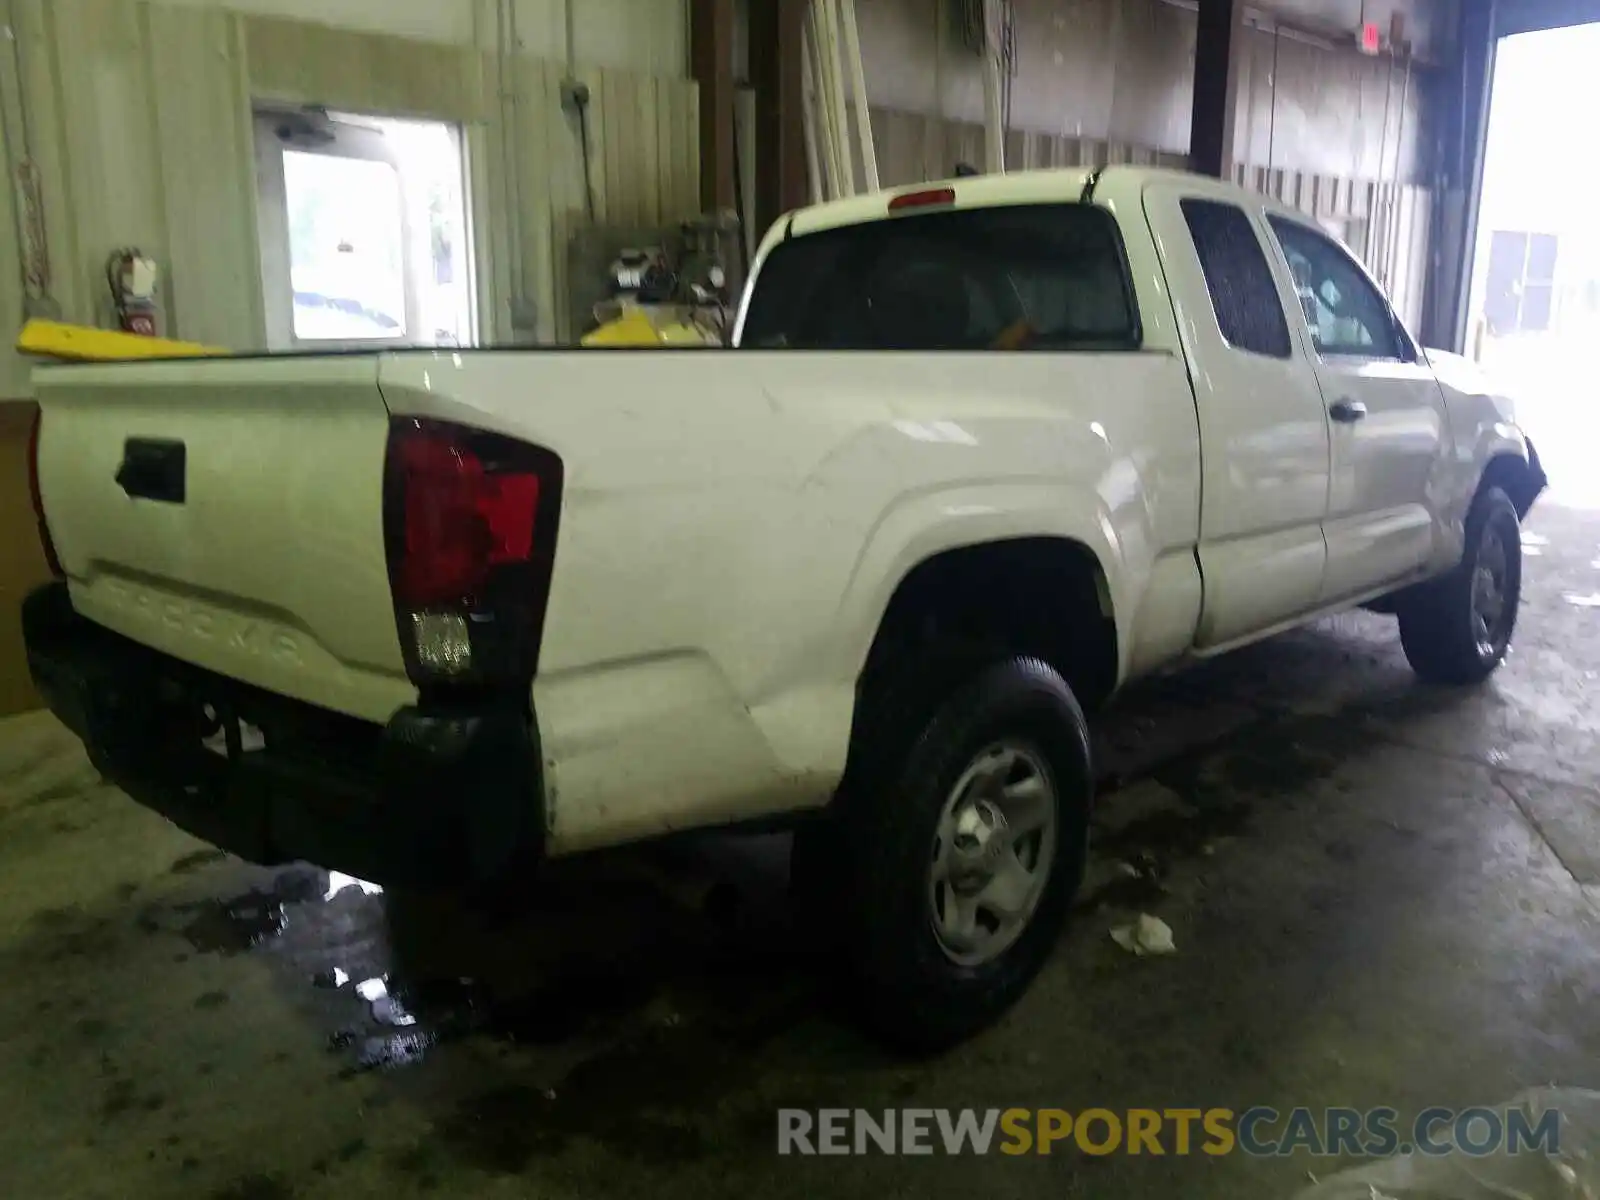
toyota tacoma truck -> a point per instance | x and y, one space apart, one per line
983 451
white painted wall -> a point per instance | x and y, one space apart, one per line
432 20
648 36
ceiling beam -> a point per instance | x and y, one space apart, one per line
1218 48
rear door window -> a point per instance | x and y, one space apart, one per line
1022 277
1249 313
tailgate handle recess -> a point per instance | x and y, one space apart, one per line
153 469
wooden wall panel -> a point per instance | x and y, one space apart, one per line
21 557
644 167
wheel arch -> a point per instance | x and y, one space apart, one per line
1044 595
1522 479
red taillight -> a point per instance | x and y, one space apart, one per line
927 198
470 522
45 540
460 521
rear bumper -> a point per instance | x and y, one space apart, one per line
432 798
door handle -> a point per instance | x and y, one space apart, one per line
153 469
1347 411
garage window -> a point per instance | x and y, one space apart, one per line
1023 277
363 231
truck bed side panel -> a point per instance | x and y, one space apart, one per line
734 524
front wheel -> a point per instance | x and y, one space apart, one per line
964 836
1457 629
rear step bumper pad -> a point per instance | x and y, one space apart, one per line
433 798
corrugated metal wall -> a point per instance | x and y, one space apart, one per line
138 117
1123 70
1387 225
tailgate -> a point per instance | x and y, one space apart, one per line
270 566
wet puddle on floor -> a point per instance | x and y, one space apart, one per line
652 1009
236 925
1180 809
385 1009
1135 854
403 1022
389 979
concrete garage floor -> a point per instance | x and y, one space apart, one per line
1382 894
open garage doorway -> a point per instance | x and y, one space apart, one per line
1534 319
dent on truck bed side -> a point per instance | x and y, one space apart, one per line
734 524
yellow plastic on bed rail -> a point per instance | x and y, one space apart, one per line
83 343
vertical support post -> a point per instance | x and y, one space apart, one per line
777 31
711 58
1451 277
1218 47
858 75
814 166
994 124
837 108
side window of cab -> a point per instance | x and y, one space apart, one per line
1238 279
1347 315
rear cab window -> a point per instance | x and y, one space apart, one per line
1018 277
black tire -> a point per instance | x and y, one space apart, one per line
910 754
1438 627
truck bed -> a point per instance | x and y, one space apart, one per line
731 528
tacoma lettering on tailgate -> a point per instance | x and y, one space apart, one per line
207 624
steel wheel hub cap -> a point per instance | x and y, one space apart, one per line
977 843
1490 605
992 853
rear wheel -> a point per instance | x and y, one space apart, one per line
962 836
1457 629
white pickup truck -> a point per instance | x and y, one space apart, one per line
986 450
